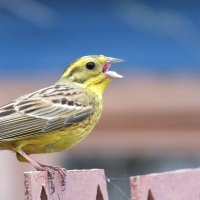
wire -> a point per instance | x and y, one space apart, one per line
117 187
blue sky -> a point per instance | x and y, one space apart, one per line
152 36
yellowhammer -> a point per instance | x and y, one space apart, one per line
56 118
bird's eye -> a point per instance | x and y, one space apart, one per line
90 65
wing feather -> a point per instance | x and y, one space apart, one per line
45 110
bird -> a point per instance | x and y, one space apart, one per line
57 117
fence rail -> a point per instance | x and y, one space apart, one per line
176 185
91 185
78 185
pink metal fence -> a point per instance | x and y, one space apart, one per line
91 185
175 185
78 185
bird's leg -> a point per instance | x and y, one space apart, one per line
42 167
31 161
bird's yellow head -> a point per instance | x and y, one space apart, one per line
91 72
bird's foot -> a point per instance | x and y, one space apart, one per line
51 172
44 167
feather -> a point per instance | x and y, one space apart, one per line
43 111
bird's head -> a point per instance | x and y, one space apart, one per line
91 72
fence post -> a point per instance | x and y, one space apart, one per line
176 185
78 184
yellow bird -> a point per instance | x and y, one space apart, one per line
57 117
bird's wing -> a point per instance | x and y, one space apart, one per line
45 110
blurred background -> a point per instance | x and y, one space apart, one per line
151 117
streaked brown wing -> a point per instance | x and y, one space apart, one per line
43 111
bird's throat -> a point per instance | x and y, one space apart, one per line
98 85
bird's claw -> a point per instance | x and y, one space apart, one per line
50 168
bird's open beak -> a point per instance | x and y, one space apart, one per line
106 67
